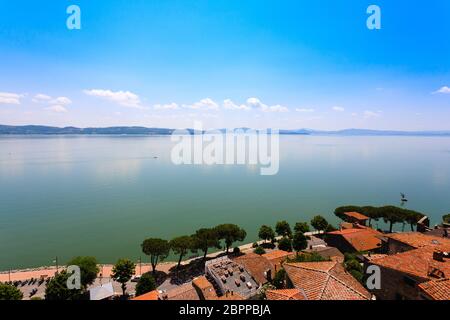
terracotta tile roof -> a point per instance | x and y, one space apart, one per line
231 297
361 239
326 280
326 252
356 215
374 256
256 265
417 239
417 262
150 296
276 254
207 291
201 283
285 294
439 232
183 292
436 289
277 257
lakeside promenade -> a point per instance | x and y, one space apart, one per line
105 269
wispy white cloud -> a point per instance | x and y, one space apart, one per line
170 106
371 114
444 90
276 108
204 104
123 98
304 110
41 98
338 109
63 101
10 98
255 103
230 105
57 109
57 105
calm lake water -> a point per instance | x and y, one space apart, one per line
66 196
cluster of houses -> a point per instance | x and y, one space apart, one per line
412 266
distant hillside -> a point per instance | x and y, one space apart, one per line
46 130
367 132
88 131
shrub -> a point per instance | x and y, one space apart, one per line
56 289
278 279
259 250
308 257
357 275
9 292
145 284
236 251
285 244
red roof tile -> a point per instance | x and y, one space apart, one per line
417 239
326 280
205 287
356 215
361 239
183 292
231 297
285 294
436 289
277 257
150 296
256 265
417 262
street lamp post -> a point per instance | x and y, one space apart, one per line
140 266
101 275
56 263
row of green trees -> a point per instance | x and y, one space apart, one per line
292 240
202 240
283 229
389 214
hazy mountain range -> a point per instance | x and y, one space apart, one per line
47 130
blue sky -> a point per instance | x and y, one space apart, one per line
227 63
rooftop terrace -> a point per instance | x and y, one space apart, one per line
231 277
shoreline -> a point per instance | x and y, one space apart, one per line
49 271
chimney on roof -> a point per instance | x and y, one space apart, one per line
438 255
269 275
